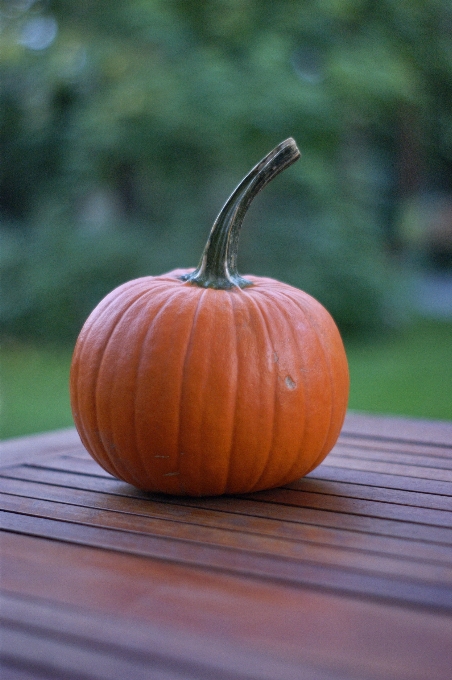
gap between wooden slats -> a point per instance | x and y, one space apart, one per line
418 499
233 521
434 462
372 493
361 637
27 653
355 506
224 538
386 481
249 507
416 591
366 448
382 444
318 498
392 469
19 673
306 499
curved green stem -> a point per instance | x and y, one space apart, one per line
218 265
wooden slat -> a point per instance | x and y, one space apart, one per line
419 590
398 428
348 505
356 506
227 618
373 493
393 469
85 465
247 507
420 460
366 474
109 650
381 479
17 450
356 444
252 544
232 521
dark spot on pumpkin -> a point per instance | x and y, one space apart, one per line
291 385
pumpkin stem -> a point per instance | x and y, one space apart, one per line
218 265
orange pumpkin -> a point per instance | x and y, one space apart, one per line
203 382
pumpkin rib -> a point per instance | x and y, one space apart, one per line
290 474
264 459
284 291
257 303
222 326
109 392
335 425
151 312
314 328
84 345
243 449
166 303
327 355
184 365
288 318
196 470
312 322
201 424
232 299
106 449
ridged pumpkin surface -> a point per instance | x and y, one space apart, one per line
189 390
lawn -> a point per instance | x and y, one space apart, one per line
34 389
407 373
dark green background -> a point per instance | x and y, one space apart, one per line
125 126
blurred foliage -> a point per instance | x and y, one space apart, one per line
125 126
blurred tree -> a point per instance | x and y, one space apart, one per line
125 126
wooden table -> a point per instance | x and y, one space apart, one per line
344 574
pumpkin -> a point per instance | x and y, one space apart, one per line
201 382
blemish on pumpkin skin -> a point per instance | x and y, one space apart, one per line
291 384
171 474
275 357
161 456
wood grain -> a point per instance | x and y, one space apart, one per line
250 507
232 521
227 617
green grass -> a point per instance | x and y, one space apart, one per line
34 394
407 373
